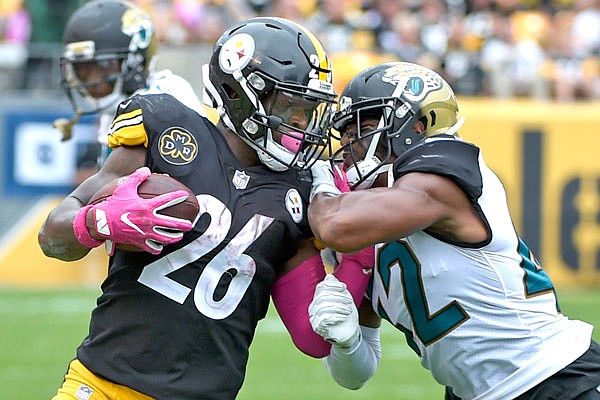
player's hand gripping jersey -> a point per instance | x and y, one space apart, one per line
214 284
446 296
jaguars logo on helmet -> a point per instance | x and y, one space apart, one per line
399 94
126 38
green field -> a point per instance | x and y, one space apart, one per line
40 329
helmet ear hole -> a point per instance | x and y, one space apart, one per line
424 122
230 92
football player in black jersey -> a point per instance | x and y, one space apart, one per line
175 321
451 272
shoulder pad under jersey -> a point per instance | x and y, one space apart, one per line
139 116
447 156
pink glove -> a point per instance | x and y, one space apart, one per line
126 218
340 179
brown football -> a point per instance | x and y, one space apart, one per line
155 185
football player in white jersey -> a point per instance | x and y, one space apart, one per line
450 273
109 54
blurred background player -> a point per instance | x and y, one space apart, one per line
452 274
110 50
176 321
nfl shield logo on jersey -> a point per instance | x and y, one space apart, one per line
84 392
293 203
240 180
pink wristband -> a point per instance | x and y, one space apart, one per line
81 231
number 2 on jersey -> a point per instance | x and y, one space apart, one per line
429 327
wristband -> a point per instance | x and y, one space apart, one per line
81 231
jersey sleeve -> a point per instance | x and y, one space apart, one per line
449 157
127 127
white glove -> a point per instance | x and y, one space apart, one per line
323 179
332 313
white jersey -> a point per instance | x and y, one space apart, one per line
484 318
158 82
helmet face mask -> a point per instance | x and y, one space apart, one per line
404 103
102 63
270 81
364 127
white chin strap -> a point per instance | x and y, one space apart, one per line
454 128
365 166
276 149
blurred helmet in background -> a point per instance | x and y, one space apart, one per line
108 50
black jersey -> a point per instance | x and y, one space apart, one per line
179 325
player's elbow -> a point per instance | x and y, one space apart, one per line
352 377
55 249
349 385
44 243
312 345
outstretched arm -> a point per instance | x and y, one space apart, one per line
294 290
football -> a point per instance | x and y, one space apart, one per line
155 185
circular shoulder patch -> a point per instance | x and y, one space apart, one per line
177 146
236 53
293 203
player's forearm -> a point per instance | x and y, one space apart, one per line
340 222
353 367
291 295
56 237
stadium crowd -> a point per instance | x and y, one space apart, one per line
544 49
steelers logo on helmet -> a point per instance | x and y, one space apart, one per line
236 53
293 203
177 146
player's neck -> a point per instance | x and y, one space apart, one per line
244 153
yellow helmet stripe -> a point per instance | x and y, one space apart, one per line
323 60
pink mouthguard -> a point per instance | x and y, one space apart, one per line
292 141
